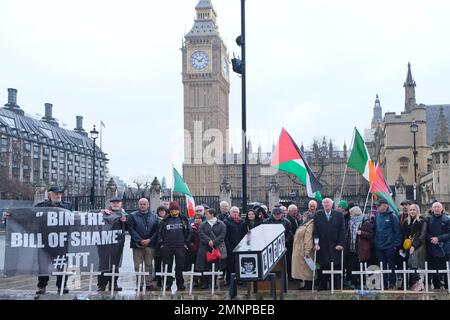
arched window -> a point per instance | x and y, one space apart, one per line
404 162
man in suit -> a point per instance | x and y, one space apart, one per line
329 231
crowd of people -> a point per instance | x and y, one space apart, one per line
328 233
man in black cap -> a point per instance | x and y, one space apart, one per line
54 200
404 206
277 218
115 218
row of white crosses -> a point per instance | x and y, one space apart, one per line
365 271
141 273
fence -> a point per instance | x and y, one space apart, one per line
83 203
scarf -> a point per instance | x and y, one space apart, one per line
212 221
353 227
174 213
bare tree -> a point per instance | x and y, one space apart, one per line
142 185
11 189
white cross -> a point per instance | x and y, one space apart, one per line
315 267
361 273
213 273
63 273
447 271
165 274
91 274
405 273
191 274
426 272
381 272
139 274
113 275
342 269
332 272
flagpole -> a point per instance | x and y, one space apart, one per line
173 182
346 166
101 135
367 198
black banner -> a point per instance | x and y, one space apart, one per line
42 240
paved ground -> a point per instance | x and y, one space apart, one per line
23 287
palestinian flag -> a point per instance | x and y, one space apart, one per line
360 159
380 188
289 158
180 186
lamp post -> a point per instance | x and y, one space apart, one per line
244 109
414 129
94 136
240 68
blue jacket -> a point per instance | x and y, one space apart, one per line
439 227
387 231
141 227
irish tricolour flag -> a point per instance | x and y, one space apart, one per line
289 158
360 159
180 186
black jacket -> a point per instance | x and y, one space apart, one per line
162 232
330 234
295 223
234 233
49 204
439 227
286 224
141 227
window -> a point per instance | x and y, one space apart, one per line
11 122
404 162
48 133
445 158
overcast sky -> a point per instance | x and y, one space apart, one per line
314 67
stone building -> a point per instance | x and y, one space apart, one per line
40 152
390 141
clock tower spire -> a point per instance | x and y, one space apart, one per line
206 85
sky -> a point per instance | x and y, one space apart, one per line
314 67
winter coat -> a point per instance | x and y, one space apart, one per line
194 241
142 226
162 231
303 246
417 231
49 204
234 233
246 226
365 240
330 234
439 227
387 231
286 224
206 234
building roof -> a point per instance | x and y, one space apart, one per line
26 127
432 120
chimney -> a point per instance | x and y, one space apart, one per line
49 115
12 102
12 96
79 127
49 111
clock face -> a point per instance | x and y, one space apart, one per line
199 60
225 66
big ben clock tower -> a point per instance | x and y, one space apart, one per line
206 101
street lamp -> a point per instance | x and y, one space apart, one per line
94 136
414 127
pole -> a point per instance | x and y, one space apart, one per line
367 200
346 165
93 175
244 110
415 167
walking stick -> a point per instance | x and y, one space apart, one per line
314 271
316 242
342 270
